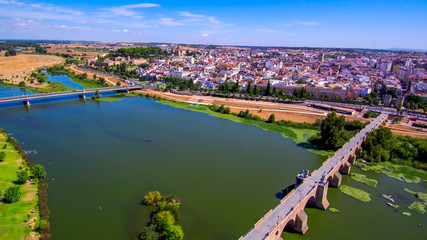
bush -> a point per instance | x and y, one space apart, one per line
370 114
2 156
163 219
12 194
149 233
173 232
271 119
41 225
354 125
153 198
22 177
38 171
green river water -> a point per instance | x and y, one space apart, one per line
103 157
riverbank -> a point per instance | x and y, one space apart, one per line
21 219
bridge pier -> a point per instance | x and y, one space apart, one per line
335 181
345 168
26 103
300 225
352 159
320 200
82 96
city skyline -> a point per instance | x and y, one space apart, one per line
375 25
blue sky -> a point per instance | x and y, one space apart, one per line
357 24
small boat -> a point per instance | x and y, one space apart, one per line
390 204
388 197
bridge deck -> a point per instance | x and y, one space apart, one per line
65 93
295 198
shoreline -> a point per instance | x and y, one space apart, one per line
41 209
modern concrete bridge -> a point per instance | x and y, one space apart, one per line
290 212
81 93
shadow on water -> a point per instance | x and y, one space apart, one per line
280 195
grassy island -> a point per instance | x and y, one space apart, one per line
355 193
23 205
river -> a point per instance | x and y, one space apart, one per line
103 157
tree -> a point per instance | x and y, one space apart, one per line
21 84
173 232
2 156
40 49
118 84
12 194
94 76
330 130
148 233
10 52
271 119
163 219
152 198
38 171
248 89
33 75
22 177
41 78
268 89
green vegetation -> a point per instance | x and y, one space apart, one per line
415 102
81 79
420 195
38 171
163 224
334 210
355 193
96 95
418 207
400 172
21 205
407 214
362 178
139 52
370 114
409 191
335 132
382 146
12 194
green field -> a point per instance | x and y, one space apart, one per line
15 218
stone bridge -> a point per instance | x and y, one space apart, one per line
289 214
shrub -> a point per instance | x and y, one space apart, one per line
22 177
152 198
173 232
163 219
149 233
271 119
38 171
41 225
2 155
12 194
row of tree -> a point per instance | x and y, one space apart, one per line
139 52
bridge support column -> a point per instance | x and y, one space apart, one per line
352 159
26 103
336 180
301 222
345 168
82 96
320 200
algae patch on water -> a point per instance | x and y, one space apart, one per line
334 210
418 207
362 178
409 191
355 193
406 214
400 172
419 195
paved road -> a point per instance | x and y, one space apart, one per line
65 93
292 201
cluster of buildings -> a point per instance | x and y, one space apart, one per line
339 73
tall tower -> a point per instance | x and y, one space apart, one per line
322 56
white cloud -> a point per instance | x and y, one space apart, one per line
125 30
213 20
266 30
205 35
189 14
169 22
125 10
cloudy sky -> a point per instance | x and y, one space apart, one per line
360 24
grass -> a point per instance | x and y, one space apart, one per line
13 216
362 178
400 172
117 97
418 207
407 214
334 210
85 83
300 136
409 191
355 193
